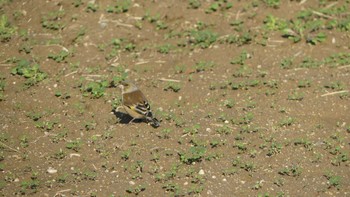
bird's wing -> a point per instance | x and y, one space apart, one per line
137 101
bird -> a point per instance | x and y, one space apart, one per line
135 103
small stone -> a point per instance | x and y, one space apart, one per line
201 172
51 170
131 182
224 180
186 183
214 177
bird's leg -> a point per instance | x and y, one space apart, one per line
132 120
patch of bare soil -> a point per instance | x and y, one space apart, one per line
253 98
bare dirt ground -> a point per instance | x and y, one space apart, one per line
253 98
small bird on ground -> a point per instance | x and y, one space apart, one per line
135 103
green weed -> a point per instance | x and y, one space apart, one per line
291 171
7 31
60 57
194 4
272 3
91 7
173 86
52 20
333 180
286 63
136 190
273 23
203 66
30 71
286 122
119 7
74 145
295 96
164 49
202 38
95 89
194 154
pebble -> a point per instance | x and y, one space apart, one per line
51 170
201 172
131 182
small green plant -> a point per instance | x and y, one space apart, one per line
337 59
309 63
77 3
241 39
74 145
304 84
286 121
125 155
286 63
52 20
224 130
194 154
272 3
91 7
59 154
24 141
318 38
219 5
180 69
89 175
274 148
95 89
296 96
291 171
192 130
136 190
305 143
164 49
2 87
46 125
60 57
203 66
202 38
90 125
229 103
35 116
6 29
164 133
237 24
173 86
333 180
273 23
241 58
31 72
335 86
119 7
194 4
31 185
173 188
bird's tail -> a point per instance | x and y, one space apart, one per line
154 121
